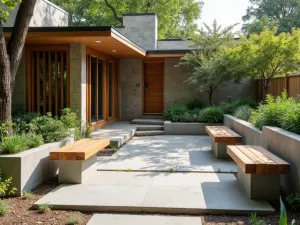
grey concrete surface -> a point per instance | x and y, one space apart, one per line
119 219
30 168
220 150
163 153
186 128
147 192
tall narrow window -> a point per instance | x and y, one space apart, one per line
94 89
100 90
110 89
47 88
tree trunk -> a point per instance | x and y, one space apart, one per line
265 91
210 93
113 10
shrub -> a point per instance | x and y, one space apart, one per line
13 144
227 107
50 128
43 208
34 140
294 201
211 115
290 120
4 129
74 219
70 119
187 117
27 195
4 207
243 112
174 112
244 101
196 103
270 114
21 121
86 131
5 186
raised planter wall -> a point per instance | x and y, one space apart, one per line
186 128
30 168
282 143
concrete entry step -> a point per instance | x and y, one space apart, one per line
148 121
152 116
149 133
119 219
150 127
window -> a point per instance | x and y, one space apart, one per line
110 88
47 81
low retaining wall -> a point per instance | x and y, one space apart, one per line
280 142
186 128
30 168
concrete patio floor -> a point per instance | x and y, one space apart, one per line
178 193
164 153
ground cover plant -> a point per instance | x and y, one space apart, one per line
31 130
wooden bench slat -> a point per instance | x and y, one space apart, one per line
243 161
80 150
222 134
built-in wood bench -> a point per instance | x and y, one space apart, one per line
221 136
75 160
258 171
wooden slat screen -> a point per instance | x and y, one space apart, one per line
48 81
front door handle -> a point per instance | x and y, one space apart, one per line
146 85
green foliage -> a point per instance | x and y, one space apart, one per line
255 220
4 207
5 186
4 129
290 120
74 219
176 18
294 201
43 208
284 14
171 170
196 104
33 140
227 107
21 121
187 117
86 131
27 195
271 113
244 101
243 112
9 5
71 122
211 115
175 112
13 144
50 128
283 215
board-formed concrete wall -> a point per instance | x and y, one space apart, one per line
141 29
131 88
176 90
278 141
46 14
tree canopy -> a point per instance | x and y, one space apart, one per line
176 18
283 13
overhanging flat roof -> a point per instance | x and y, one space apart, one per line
167 53
104 39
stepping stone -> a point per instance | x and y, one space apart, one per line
118 219
148 121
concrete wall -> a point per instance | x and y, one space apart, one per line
141 29
173 44
280 142
131 88
19 93
78 79
176 90
46 14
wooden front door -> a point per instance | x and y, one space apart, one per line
153 87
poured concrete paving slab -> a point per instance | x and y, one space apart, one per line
118 219
180 193
162 153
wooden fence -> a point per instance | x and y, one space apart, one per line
290 83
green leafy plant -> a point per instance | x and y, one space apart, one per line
294 201
27 195
244 101
74 219
211 115
34 140
196 104
283 215
243 112
5 186
175 112
50 128
4 129
255 220
171 170
21 121
227 107
13 144
187 117
4 207
86 131
290 120
43 208
129 170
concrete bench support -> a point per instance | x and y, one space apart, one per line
220 150
75 171
260 186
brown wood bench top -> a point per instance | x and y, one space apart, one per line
257 160
222 134
79 150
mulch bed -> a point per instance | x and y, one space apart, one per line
20 213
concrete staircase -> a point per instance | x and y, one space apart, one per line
149 125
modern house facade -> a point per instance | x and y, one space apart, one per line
105 73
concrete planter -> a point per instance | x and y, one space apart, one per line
280 142
30 168
186 128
